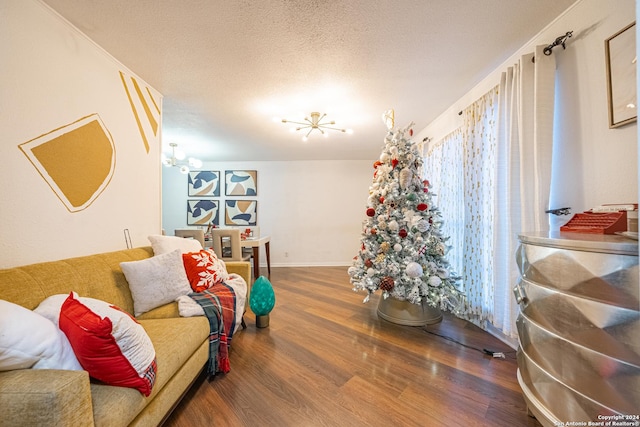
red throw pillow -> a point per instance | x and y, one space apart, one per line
204 269
109 343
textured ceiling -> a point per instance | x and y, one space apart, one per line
226 68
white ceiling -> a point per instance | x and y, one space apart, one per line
226 68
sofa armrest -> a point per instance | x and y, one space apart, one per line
242 268
45 397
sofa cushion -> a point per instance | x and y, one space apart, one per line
109 343
182 350
165 244
156 281
29 340
46 397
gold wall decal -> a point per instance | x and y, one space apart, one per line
140 104
76 160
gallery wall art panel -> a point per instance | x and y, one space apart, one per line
241 183
203 212
241 212
204 184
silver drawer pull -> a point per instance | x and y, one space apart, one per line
518 292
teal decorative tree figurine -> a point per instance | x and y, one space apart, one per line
262 300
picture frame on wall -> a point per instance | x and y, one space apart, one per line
620 56
241 212
203 212
241 183
204 184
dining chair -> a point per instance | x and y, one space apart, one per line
226 244
193 233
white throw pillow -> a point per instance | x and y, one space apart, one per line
29 340
165 244
50 308
156 281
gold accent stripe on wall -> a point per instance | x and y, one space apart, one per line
145 105
153 100
135 113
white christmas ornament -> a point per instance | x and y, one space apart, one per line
422 225
384 157
371 272
435 281
405 178
409 215
352 270
443 274
393 225
397 247
413 269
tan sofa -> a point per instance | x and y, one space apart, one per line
40 397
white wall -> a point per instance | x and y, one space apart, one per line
599 165
52 75
313 210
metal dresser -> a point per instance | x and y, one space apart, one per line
579 328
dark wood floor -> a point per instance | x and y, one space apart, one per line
326 359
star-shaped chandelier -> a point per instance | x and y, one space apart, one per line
315 123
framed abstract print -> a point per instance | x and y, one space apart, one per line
240 212
204 184
203 212
241 183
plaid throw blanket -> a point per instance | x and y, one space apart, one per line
219 305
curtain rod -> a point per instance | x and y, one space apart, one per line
559 41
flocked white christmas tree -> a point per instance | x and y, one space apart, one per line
402 248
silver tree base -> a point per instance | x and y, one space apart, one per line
406 313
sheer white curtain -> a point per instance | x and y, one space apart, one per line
523 181
446 174
479 161
461 169
498 169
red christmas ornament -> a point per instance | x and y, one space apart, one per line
374 231
394 162
376 164
381 199
425 182
387 283
371 212
426 190
402 233
410 132
422 207
430 220
368 263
